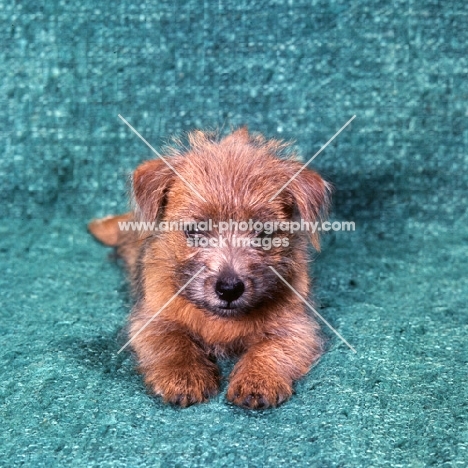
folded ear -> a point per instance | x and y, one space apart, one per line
312 197
151 181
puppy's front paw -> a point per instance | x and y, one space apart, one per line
184 385
254 391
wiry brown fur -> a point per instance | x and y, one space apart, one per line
269 328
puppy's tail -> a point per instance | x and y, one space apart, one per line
112 231
108 230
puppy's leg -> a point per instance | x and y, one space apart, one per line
173 364
265 374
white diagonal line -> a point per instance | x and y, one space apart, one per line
313 310
161 309
312 158
163 159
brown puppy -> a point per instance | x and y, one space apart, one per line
235 303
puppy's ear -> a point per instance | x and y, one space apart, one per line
312 197
151 181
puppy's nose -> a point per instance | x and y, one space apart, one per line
229 289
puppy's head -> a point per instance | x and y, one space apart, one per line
236 198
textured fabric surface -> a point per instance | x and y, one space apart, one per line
396 288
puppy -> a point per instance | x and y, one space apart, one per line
195 300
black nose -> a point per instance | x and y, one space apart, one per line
229 289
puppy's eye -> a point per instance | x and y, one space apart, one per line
265 233
261 234
193 233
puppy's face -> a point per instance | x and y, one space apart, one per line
234 254
233 233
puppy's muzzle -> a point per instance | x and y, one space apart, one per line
229 288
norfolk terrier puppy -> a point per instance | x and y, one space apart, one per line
197 300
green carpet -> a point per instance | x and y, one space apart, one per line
396 288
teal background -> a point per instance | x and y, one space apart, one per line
396 288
